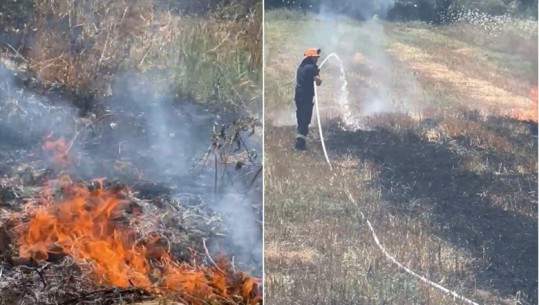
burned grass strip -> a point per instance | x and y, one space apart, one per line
451 196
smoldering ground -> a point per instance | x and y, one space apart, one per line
141 135
177 138
25 118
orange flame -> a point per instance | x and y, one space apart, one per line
58 150
530 114
94 227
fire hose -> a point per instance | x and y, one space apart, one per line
373 233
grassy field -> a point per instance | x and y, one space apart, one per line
84 47
445 171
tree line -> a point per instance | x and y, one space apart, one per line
434 11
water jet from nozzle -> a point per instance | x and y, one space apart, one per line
342 98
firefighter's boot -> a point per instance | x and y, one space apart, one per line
301 144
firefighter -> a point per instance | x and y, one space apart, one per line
307 73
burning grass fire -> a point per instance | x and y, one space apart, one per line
96 228
57 151
531 113
116 242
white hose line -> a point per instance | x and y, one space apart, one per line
375 237
391 258
320 127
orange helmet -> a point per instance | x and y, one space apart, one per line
312 52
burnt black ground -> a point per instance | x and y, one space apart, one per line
503 243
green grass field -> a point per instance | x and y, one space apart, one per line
445 172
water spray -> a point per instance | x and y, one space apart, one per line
373 233
330 55
318 111
348 120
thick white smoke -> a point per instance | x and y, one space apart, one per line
356 43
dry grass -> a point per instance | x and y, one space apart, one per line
450 191
452 46
427 205
83 46
481 92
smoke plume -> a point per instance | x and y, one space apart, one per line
362 47
141 132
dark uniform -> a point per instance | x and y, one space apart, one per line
303 97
